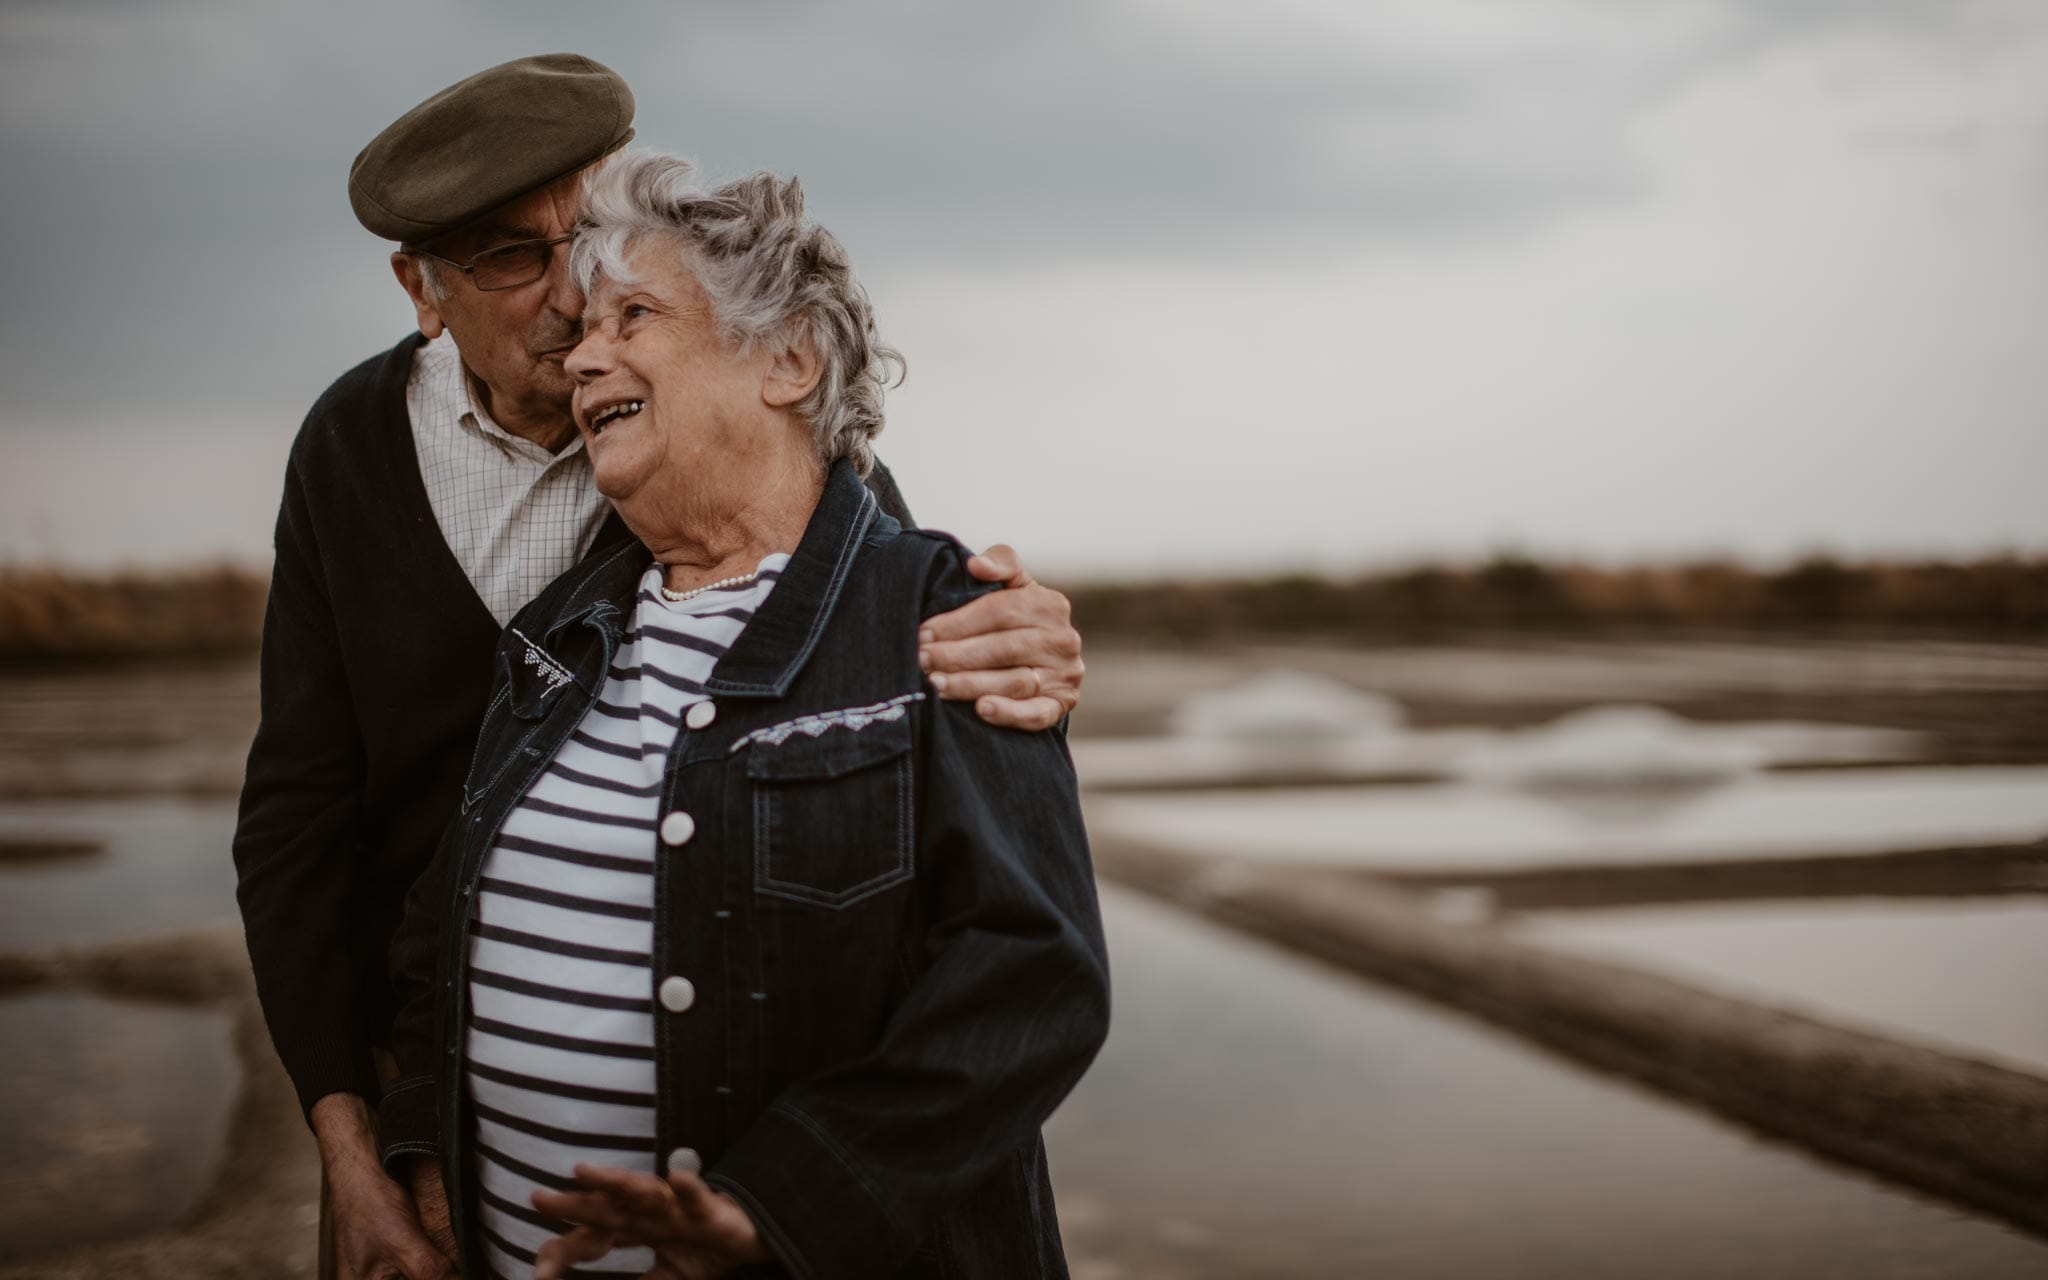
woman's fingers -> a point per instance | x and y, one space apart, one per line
635 1192
554 1258
692 1195
581 1208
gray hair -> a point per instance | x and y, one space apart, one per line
430 272
769 274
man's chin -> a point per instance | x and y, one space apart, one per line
551 381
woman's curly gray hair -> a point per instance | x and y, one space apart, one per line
770 275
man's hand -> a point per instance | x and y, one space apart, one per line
377 1234
430 1200
696 1233
1013 653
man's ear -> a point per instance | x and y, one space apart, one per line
792 373
407 268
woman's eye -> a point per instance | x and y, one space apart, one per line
633 311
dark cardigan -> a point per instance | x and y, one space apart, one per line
376 663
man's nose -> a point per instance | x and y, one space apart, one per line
563 295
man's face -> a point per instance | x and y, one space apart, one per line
513 339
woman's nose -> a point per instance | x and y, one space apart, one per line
588 359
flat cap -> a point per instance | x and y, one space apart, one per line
487 140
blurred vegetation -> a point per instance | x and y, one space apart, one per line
54 615
2004 595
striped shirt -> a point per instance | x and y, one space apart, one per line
515 515
561 984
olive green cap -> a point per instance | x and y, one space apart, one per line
488 140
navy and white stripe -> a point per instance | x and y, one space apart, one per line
561 982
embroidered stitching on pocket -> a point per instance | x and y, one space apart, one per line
815 724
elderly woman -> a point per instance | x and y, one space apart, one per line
745 951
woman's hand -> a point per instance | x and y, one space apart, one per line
1013 653
696 1233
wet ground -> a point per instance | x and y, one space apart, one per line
1254 1114
1952 973
1433 827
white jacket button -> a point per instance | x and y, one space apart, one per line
677 828
677 994
700 715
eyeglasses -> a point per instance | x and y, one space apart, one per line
509 265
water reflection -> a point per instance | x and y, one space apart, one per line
116 1115
166 865
1257 1116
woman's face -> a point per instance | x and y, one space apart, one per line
663 406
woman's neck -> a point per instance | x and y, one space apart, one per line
723 527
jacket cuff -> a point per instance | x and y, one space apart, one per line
406 1122
809 1203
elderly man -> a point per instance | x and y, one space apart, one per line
433 491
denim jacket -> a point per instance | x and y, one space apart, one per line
886 910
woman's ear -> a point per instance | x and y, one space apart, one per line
407 268
792 372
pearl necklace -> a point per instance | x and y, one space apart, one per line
677 597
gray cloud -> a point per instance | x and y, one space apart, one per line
176 233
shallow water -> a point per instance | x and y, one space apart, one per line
1254 1115
1471 826
115 1116
166 865
1961 974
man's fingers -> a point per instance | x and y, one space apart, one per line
999 564
554 1258
1032 606
408 1260
1027 713
1010 682
995 651
426 1263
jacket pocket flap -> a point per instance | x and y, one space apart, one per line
822 747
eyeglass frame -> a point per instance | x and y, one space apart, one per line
469 268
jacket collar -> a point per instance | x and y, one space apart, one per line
785 629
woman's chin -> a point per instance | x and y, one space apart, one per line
615 475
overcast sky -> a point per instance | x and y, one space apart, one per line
1184 286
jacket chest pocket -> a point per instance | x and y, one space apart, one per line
833 813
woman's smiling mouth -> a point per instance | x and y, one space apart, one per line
614 412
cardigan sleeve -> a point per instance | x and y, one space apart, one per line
297 843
